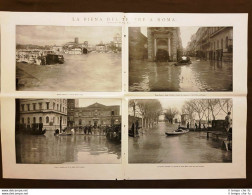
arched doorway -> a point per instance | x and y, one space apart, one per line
162 50
84 51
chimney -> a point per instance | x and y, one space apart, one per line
76 40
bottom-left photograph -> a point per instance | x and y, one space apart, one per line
57 131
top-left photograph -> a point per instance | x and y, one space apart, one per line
68 58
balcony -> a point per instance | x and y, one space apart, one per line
217 31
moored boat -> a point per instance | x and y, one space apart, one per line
185 60
57 133
177 132
38 132
63 134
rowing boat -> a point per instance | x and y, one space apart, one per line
177 132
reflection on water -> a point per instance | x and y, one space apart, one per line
198 76
91 72
193 147
49 149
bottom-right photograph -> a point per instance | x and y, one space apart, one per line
180 130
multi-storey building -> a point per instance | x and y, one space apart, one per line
51 112
212 43
97 114
221 43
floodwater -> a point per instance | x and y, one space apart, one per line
50 149
154 146
165 76
91 72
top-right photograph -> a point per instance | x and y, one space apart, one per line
181 59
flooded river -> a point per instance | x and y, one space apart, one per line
155 147
164 76
91 72
50 149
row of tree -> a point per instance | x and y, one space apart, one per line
206 108
148 109
151 109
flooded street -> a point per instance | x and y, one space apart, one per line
164 76
155 147
91 72
50 149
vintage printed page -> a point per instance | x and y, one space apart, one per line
123 96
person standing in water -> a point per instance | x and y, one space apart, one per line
228 121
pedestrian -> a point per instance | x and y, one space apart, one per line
90 129
137 125
228 121
196 126
133 129
188 125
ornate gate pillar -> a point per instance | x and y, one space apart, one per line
150 45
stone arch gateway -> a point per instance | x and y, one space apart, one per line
165 38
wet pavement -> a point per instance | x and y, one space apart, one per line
153 146
91 72
165 76
50 149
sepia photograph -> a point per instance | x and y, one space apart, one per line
180 130
57 131
68 58
181 59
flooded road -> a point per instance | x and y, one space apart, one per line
50 149
155 147
164 76
91 72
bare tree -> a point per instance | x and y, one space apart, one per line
188 109
198 106
170 114
226 105
149 110
214 107
132 103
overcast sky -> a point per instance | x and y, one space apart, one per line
186 33
58 35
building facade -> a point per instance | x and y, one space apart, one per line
101 48
75 47
164 38
97 114
212 43
51 112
